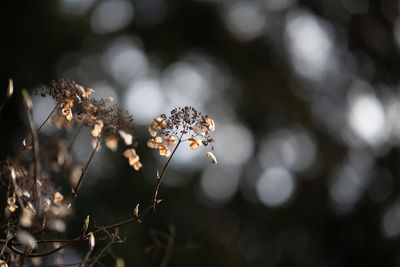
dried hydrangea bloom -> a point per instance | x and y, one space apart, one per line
187 123
75 104
194 143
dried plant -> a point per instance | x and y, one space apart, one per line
36 206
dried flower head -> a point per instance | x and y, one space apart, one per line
187 123
76 106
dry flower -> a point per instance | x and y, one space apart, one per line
128 138
57 225
200 130
26 217
26 239
212 157
158 123
80 89
170 140
112 143
211 124
133 158
152 144
96 132
194 143
11 203
57 198
164 151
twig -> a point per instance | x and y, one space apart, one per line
97 258
9 93
84 170
25 147
170 246
74 137
35 152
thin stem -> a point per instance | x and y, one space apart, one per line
84 170
74 137
170 246
35 151
26 146
3 103
97 258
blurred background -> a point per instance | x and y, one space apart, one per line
305 96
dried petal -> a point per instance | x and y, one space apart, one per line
170 140
194 143
164 151
128 138
211 124
137 165
200 130
12 207
152 130
212 157
129 153
96 132
133 160
112 143
152 144
80 89
160 123
26 218
88 92
26 239
57 198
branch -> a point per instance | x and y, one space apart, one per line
84 170
35 152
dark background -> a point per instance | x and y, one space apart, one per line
306 90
